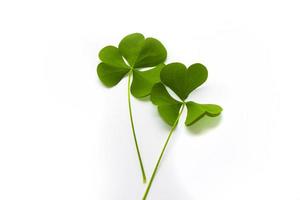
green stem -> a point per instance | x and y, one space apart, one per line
133 131
161 154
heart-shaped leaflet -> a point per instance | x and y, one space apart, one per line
183 80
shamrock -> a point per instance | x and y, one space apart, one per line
133 53
182 81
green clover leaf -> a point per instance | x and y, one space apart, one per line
139 52
134 52
182 81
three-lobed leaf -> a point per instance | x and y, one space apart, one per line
182 81
138 52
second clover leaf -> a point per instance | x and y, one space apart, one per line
182 81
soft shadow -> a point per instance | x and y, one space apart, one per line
144 99
204 124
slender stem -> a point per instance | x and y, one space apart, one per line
133 131
161 154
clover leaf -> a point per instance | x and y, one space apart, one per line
182 81
133 52
139 52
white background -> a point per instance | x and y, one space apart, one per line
63 135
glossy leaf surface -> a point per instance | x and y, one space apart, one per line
183 80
